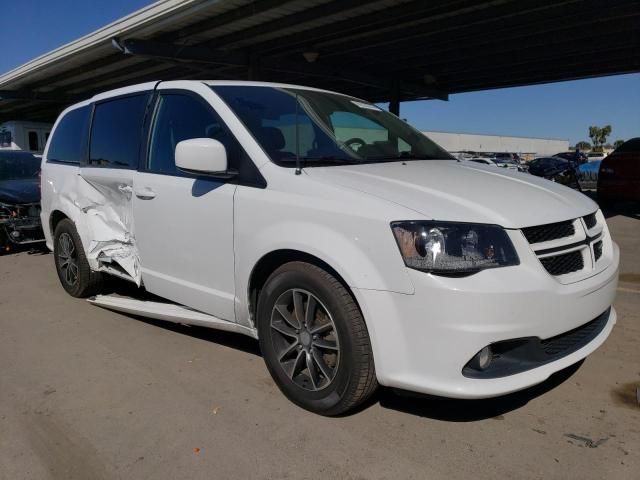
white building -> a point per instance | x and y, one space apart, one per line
528 147
29 136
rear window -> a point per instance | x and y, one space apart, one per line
70 137
116 132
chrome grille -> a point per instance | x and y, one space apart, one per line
551 231
563 263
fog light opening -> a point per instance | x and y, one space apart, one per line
484 357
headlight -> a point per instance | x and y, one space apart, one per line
448 248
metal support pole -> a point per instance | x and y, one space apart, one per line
394 101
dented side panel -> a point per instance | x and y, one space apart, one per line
98 202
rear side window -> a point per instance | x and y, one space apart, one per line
70 137
116 132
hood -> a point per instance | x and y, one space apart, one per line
24 190
458 191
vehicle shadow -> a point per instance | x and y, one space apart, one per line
456 410
220 337
228 339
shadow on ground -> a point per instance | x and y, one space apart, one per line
438 408
455 410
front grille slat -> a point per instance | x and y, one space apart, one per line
597 250
551 231
575 339
590 220
563 263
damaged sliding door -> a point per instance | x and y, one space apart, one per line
107 178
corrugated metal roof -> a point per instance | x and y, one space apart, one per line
376 49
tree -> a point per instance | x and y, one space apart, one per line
617 143
598 135
594 134
604 133
583 145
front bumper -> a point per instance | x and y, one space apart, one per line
422 342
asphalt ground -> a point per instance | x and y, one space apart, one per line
86 393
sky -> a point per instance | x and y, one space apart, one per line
558 110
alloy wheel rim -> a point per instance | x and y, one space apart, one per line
67 259
305 339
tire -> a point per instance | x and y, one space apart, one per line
72 266
341 374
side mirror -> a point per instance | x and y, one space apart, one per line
203 156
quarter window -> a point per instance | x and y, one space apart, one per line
116 132
70 137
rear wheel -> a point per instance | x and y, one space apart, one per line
314 340
72 266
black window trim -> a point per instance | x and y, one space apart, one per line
85 163
258 182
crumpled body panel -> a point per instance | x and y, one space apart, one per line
99 204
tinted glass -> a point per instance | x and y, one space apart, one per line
324 128
33 141
182 117
70 137
16 165
116 132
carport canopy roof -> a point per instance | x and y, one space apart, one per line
379 50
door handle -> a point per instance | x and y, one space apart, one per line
145 193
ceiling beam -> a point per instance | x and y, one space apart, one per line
323 11
29 95
185 54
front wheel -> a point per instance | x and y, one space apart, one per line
314 340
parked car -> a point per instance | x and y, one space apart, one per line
588 175
483 161
578 158
355 260
19 199
619 177
509 161
555 169
595 156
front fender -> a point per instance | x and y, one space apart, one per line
359 246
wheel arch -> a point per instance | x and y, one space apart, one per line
55 218
271 261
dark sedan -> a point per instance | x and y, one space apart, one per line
619 178
555 169
19 199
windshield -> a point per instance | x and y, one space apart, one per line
323 128
18 165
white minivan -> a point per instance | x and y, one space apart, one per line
355 249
